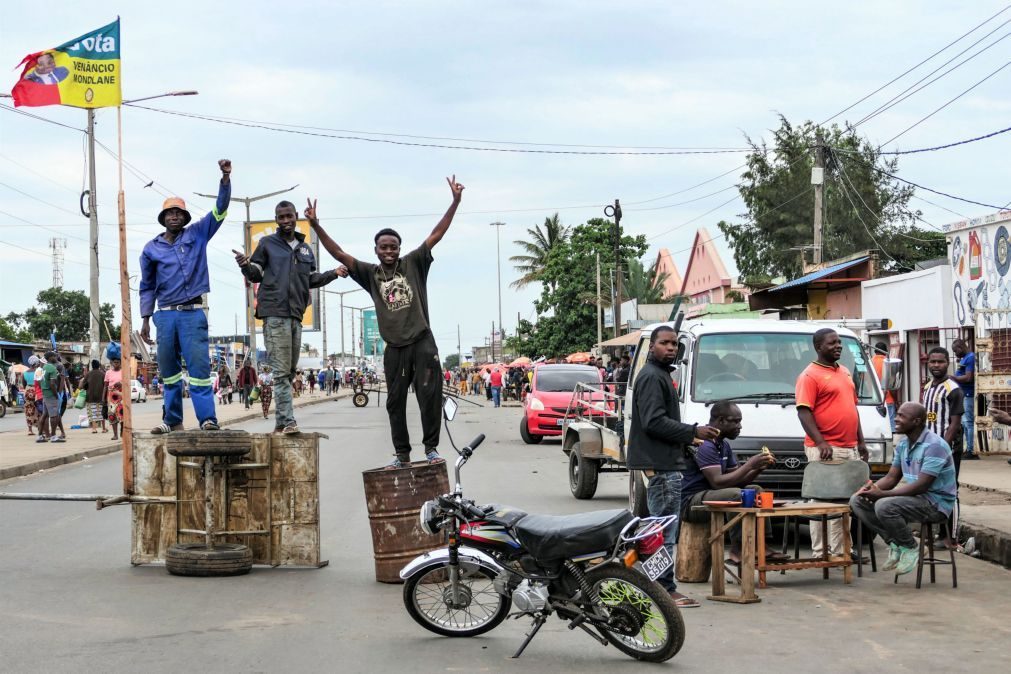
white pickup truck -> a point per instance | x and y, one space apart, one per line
753 362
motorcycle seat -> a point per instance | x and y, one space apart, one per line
505 515
550 537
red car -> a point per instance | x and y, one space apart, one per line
550 393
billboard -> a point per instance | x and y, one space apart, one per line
980 258
258 230
373 344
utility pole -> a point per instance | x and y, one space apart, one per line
493 341
322 322
498 264
247 239
94 329
615 212
459 351
818 180
600 326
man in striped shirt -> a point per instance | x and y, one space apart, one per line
945 403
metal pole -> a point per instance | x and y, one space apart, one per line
459 351
342 330
493 341
818 179
322 323
600 327
94 330
498 264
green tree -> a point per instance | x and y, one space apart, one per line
642 284
452 361
535 251
567 311
11 333
864 208
68 311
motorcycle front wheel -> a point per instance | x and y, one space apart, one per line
478 608
646 622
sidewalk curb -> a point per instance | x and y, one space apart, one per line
103 450
993 545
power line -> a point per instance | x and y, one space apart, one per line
682 203
899 77
948 145
456 139
336 136
695 219
898 98
41 201
856 211
9 108
943 194
913 126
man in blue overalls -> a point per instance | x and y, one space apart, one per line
173 272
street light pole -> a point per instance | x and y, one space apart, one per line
615 212
342 293
250 318
498 264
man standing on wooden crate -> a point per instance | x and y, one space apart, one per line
399 287
285 267
173 273
827 409
657 441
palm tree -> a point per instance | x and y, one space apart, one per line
644 285
531 263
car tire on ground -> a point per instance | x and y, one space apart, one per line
360 399
196 559
526 435
583 474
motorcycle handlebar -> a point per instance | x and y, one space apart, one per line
476 442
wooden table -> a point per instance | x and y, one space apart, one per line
752 522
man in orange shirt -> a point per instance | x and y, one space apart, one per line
827 409
880 355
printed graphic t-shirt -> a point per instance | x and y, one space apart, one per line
401 297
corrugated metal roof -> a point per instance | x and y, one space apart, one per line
4 342
820 274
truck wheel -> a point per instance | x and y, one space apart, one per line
637 494
3 410
582 474
526 435
360 399
196 559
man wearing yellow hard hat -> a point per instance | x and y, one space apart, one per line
173 270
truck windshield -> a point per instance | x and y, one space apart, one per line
751 364
565 380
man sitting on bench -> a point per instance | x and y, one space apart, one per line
715 475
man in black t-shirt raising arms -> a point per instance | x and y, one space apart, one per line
399 287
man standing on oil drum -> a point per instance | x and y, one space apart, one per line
399 288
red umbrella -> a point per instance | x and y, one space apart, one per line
579 357
522 361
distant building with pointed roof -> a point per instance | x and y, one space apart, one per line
665 264
706 279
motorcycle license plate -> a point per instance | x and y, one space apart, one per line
657 563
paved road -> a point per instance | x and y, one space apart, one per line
72 602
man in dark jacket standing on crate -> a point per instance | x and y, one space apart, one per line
285 267
657 441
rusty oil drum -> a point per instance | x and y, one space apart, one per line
394 499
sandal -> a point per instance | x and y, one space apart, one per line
432 456
209 425
397 464
682 601
160 429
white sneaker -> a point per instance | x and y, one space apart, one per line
893 557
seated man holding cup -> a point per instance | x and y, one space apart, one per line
714 474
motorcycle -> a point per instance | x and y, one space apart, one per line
595 570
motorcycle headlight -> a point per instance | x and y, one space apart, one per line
875 451
429 517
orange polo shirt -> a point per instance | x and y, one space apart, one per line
829 393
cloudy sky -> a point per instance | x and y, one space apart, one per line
631 74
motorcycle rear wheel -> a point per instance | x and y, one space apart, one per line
427 599
660 627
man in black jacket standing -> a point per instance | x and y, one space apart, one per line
657 441
285 267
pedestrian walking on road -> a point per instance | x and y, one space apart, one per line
495 378
285 267
225 387
52 385
173 274
31 411
246 380
965 375
658 440
919 487
827 410
399 287
112 394
266 389
94 386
